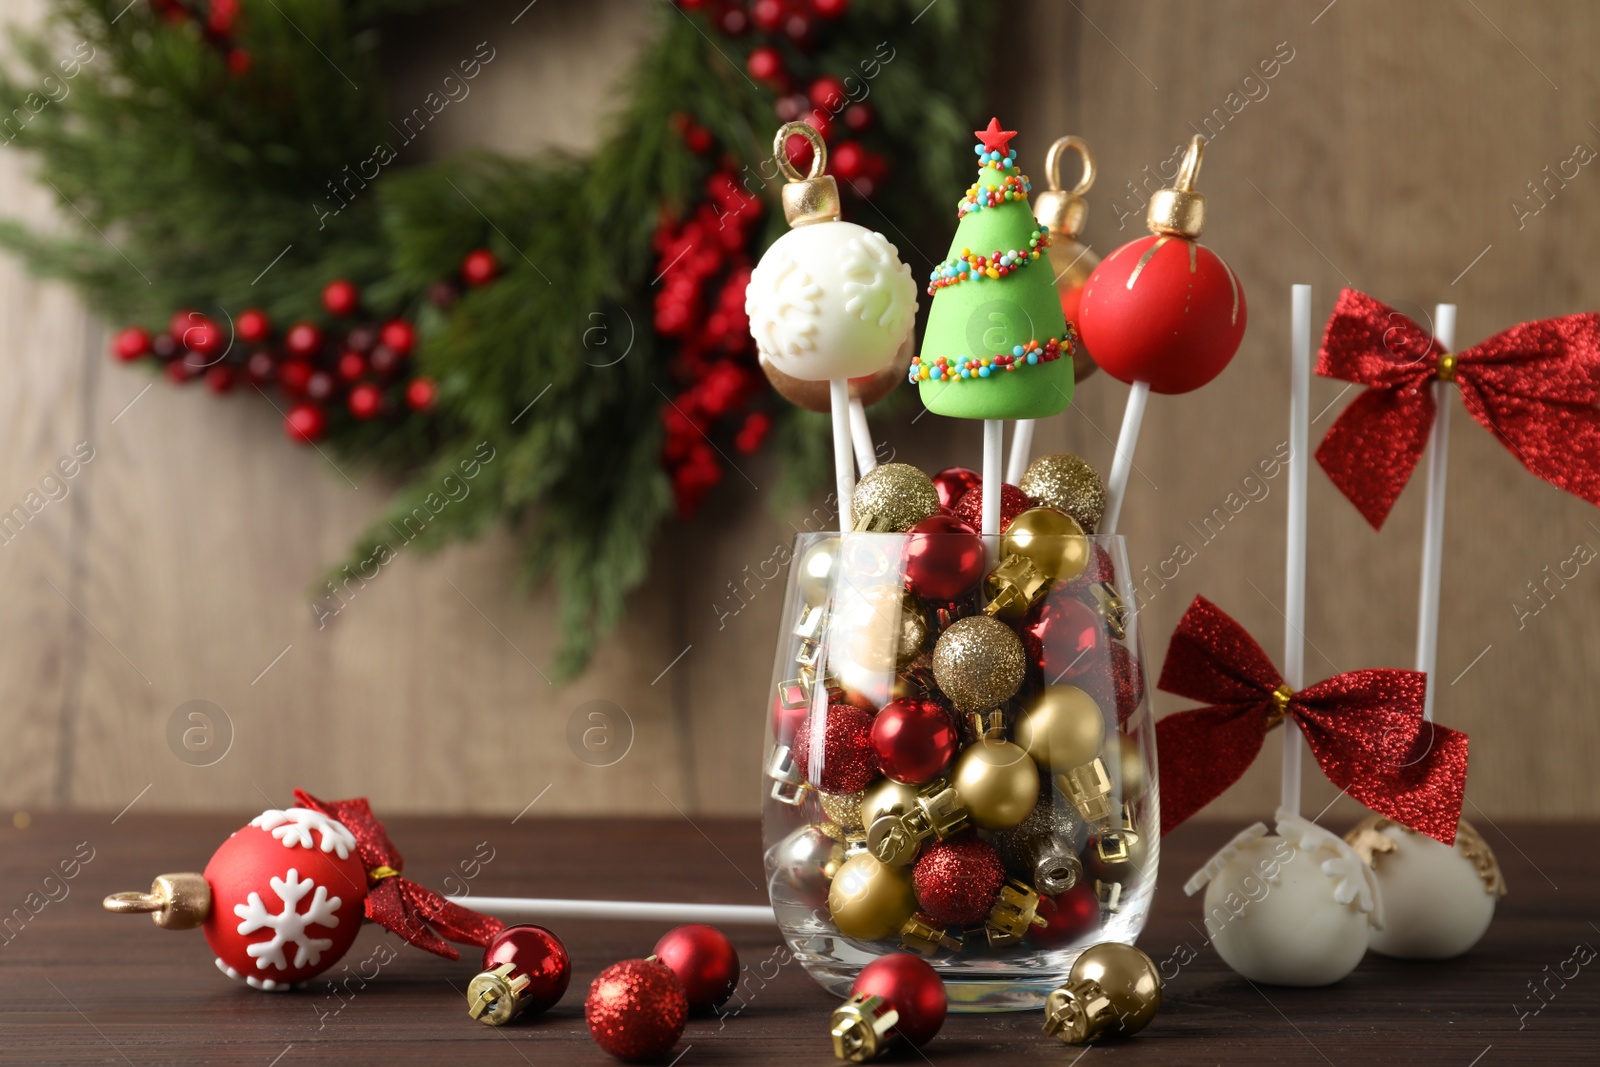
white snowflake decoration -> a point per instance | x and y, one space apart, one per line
290 924
782 302
1241 841
878 287
1353 880
295 826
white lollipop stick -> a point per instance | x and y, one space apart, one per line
1444 329
993 444
1294 585
1021 449
1122 462
843 462
548 908
861 437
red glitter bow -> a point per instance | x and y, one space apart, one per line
399 904
1534 387
1365 729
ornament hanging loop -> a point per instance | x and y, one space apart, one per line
1064 211
1181 211
813 196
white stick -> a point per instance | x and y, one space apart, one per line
843 464
861 437
1433 518
993 444
542 908
1122 462
1021 449
1294 584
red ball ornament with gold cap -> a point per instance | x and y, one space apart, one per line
1165 309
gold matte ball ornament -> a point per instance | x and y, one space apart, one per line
893 498
1062 728
1068 484
997 783
978 663
870 900
817 566
1052 540
883 629
1113 990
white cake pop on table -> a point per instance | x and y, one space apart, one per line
1294 909
1438 899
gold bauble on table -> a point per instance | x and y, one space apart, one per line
817 566
1052 540
1061 727
869 900
893 498
997 783
1068 484
869 389
1113 990
978 663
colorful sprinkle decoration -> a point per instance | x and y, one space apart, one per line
970 267
980 196
961 368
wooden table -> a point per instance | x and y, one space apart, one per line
78 985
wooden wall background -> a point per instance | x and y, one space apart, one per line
1386 153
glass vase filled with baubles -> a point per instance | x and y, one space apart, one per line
960 758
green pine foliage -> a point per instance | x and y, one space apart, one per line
189 181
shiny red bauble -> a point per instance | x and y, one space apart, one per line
341 298
849 762
1013 502
1068 917
398 336
1162 310
1065 638
537 955
944 558
303 339
914 739
253 326
912 987
130 344
636 1010
480 267
953 483
958 880
288 895
705 962
305 423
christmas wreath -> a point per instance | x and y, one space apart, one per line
244 191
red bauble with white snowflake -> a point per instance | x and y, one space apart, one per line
287 898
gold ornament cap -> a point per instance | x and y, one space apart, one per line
1013 587
1180 211
175 901
811 197
495 997
862 1028
1064 211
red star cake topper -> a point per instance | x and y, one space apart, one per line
995 139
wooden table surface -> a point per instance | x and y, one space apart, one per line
78 985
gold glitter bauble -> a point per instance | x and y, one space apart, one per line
814 396
978 663
997 783
1067 483
843 809
1061 727
869 900
893 498
1051 540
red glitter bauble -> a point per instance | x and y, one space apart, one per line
636 1010
537 955
1162 310
1063 634
705 962
957 881
912 987
1068 917
1099 569
1119 682
849 763
953 483
943 558
1013 502
914 740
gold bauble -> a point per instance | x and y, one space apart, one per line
815 576
978 663
1051 539
869 389
1133 770
893 498
882 629
886 797
1113 990
997 783
869 900
843 809
1068 484
1062 728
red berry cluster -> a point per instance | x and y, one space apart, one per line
216 20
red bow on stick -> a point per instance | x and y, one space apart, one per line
399 904
1534 387
1365 729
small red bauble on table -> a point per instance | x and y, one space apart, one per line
898 997
914 739
526 970
636 1010
704 960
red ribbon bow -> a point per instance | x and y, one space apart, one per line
399 904
1534 387
1365 729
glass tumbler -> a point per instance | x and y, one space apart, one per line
960 759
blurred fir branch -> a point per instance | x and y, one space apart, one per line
203 177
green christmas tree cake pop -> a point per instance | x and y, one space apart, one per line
997 345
